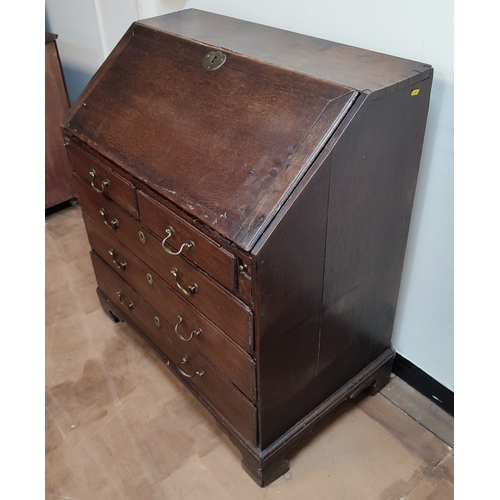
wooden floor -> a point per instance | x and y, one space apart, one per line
120 426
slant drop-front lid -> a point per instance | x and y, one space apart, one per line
226 144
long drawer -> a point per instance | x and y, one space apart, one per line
185 321
220 395
180 237
195 286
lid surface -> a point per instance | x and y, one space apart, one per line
353 67
227 145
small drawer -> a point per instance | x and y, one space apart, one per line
229 313
182 320
104 181
177 236
192 368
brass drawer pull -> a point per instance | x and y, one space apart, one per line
120 265
190 290
113 224
185 360
130 305
104 184
170 232
193 333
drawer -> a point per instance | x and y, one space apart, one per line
178 236
104 181
187 281
218 393
184 320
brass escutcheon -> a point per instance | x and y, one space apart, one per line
214 60
157 321
142 237
149 278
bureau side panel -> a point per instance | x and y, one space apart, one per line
374 172
288 293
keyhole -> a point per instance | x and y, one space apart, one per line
214 60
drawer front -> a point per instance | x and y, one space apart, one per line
219 394
184 321
103 180
179 236
230 314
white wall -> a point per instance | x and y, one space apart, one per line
423 31
87 32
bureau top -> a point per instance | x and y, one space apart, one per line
226 144
350 66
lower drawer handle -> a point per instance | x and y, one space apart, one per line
113 224
130 305
185 360
170 232
190 290
120 265
193 333
104 184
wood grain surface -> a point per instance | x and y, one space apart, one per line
227 146
212 342
58 179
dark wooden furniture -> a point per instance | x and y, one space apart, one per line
247 194
58 178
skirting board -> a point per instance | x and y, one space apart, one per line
424 383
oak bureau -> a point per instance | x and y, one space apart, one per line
247 194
